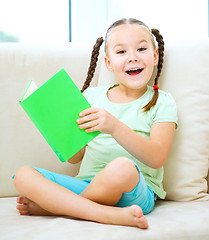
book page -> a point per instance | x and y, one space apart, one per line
31 88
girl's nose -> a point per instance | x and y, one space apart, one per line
133 58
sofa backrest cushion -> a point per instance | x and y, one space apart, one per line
20 142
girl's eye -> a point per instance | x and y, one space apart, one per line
121 52
141 49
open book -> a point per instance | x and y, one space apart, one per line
54 108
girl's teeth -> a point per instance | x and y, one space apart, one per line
134 71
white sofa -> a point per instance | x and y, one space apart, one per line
185 212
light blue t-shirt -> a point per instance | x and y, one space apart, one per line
104 148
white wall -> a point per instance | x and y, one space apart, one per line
88 19
176 19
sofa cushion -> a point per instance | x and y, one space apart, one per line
185 75
169 220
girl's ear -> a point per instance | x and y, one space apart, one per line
108 64
156 56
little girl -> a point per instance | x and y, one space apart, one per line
122 168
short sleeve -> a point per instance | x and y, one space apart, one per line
90 95
86 93
165 109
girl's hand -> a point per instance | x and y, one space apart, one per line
96 119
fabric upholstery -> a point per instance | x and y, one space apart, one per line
169 220
185 75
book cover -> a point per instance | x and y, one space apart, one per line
54 108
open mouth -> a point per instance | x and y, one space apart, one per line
134 71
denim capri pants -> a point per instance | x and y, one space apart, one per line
141 195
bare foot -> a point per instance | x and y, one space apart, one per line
130 216
27 207
127 216
139 218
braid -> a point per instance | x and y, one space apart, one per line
93 63
160 41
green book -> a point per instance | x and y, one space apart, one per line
54 108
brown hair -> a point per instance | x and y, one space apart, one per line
96 48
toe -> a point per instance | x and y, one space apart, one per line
22 200
21 207
24 212
19 199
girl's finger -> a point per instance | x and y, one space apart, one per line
88 125
87 118
93 129
88 111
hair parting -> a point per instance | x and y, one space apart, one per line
93 63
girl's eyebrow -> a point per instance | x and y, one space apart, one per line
142 41
123 44
119 45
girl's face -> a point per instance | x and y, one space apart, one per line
131 55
